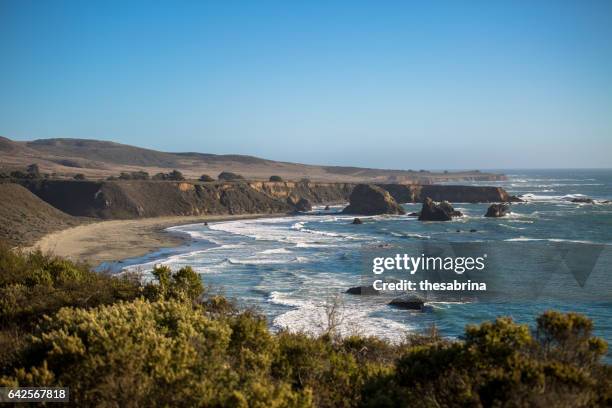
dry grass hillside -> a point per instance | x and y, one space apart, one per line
100 159
25 217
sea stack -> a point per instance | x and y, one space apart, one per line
497 210
368 199
437 212
299 204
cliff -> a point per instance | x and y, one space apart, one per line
25 218
414 193
135 199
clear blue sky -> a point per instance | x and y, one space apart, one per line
428 84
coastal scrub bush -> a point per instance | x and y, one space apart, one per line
33 284
502 363
276 178
174 175
229 176
206 178
165 353
182 284
134 175
173 343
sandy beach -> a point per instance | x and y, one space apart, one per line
120 239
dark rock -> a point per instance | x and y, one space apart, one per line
447 207
473 230
303 205
357 221
362 290
514 199
299 204
414 214
327 207
368 199
583 200
458 231
410 302
497 210
437 212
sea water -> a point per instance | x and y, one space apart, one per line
295 269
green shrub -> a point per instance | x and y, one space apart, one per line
229 176
276 178
164 353
502 364
172 343
183 284
33 284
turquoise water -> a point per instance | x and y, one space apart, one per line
292 268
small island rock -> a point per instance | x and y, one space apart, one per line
437 212
410 302
368 199
497 210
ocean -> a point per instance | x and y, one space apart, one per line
294 269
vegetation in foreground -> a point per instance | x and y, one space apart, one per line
119 343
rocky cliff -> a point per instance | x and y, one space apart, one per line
415 193
133 199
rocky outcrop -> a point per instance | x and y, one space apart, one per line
437 212
362 290
410 302
448 208
316 193
357 221
299 204
583 200
368 199
135 199
415 193
498 210
150 198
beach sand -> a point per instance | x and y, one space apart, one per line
114 240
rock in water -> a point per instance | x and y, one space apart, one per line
357 221
410 302
368 199
327 207
497 210
583 200
448 208
437 212
303 205
299 204
362 290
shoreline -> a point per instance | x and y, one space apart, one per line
115 240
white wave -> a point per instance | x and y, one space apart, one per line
511 227
311 316
258 261
576 241
276 251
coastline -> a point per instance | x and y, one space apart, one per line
115 240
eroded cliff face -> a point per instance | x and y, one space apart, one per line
415 193
317 193
134 199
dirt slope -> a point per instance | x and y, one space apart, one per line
25 218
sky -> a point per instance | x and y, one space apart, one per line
405 85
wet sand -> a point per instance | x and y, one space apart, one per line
115 240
